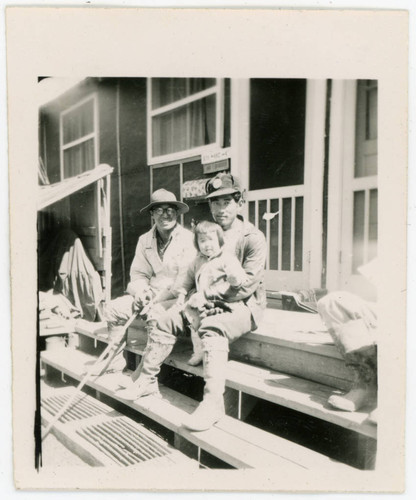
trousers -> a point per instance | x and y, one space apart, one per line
119 310
352 324
230 325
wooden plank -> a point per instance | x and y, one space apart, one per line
318 362
288 450
321 363
52 193
280 388
277 387
170 412
289 328
302 363
298 394
189 449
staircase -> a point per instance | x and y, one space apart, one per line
278 381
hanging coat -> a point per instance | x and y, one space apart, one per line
66 268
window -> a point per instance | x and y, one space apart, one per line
79 138
366 130
365 219
185 117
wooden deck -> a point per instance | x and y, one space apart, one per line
235 442
289 362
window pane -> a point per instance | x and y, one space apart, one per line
371 125
227 113
299 234
277 132
78 122
78 159
168 90
274 236
366 129
286 233
372 226
358 230
185 128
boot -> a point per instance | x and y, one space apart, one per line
364 389
373 417
211 409
114 360
144 378
197 356
355 399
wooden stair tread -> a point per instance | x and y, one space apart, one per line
297 330
237 443
292 392
280 388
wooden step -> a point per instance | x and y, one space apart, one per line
280 388
292 342
235 442
102 436
297 343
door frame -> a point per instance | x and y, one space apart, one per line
311 190
341 187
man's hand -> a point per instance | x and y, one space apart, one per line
141 299
197 301
214 307
180 301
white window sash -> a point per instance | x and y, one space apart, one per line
218 90
93 135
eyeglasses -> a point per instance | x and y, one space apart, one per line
168 211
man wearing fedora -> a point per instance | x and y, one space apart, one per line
162 254
216 330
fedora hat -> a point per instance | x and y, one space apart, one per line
221 185
163 197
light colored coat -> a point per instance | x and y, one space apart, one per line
209 276
149 271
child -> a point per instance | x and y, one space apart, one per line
217 277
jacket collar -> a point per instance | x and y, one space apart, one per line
151 235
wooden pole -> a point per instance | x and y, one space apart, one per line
121 345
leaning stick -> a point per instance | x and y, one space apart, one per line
121 344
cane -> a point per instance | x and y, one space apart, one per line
122 343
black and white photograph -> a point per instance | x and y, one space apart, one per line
209 258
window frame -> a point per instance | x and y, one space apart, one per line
93 135
217 90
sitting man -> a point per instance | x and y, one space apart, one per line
162 254
215 330
352 323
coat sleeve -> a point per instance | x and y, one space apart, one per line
140 272
185 281
253 262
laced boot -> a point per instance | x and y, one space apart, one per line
114 360
198 354
144 378
211 409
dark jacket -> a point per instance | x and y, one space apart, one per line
251 251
